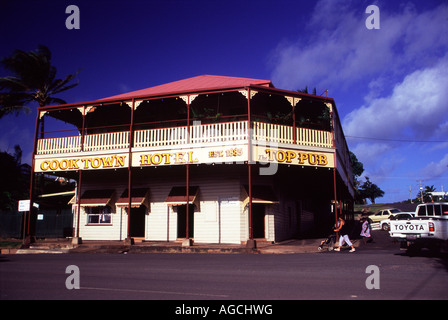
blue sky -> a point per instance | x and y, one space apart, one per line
389 84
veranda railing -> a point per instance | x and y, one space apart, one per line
198 134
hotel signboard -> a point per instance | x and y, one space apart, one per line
209 155
294 157
67 163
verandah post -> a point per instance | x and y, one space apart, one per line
251 242
28 234
131 141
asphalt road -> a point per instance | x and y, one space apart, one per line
332 275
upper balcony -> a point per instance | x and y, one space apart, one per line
204 122
196 135
196 120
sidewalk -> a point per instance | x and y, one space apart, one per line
382 240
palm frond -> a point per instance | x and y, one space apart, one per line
33 79
15 98
16 110
51 100
12 84
59 85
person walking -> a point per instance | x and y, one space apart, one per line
365 230
342 228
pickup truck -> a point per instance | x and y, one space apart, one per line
385 224
427 229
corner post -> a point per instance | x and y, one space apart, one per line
251 242
131 142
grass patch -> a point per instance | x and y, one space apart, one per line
10 244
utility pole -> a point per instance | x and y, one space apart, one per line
410 193
421 189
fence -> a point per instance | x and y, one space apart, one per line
53 224
11 223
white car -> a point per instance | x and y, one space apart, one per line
383 214
385 224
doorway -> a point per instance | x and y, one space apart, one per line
258 220
137 222
182 221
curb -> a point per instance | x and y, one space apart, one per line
8 251
191 249
38 251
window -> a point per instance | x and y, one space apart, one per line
437 211
445 209
430 209
421 211
99 215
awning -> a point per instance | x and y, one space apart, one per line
178 196
139 196
96 198
260 194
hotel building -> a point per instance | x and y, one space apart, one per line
211 158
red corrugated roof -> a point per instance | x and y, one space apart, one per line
199 83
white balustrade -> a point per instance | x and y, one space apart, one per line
315 138
106 141
59 145
199 134
160 137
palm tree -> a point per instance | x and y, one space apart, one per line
370 190
426 193
305 90
33 79
14 184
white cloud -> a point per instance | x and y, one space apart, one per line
123 88
415 109
435 169
388 83
336 50
366 151
379 159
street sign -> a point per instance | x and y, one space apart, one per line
24 205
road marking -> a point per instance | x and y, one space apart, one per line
161 292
